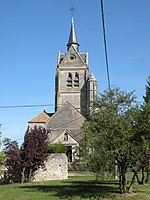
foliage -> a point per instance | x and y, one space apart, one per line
34 150
109 133
2 161
2 158
57 148
30 156
147 87
142 135
12 153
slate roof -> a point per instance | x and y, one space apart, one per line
67 117
54 134
72 36
76 133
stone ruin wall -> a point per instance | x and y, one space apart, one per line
56 168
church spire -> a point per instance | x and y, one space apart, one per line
73 38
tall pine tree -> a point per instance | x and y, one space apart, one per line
147 88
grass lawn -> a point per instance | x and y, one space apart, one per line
75 188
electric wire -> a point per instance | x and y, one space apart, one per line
105 44
26 106
59 126
35 105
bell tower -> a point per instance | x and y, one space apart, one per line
72 75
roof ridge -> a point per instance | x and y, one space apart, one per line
78 55
75 108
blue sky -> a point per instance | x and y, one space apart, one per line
32 32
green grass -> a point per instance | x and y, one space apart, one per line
75 188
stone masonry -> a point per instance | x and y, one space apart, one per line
56 168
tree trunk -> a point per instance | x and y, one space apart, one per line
30 175
133 179
23 174
120 183
122 177
124 182
143 176
147 176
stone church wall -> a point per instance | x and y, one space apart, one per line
56 168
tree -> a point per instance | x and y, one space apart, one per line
34 150
147 87
2 161
142 135
109 133
12 152
13 160
30 156
2 157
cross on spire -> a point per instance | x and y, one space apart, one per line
72 8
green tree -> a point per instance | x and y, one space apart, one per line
109 133
142 135
2 157
2 161
147 88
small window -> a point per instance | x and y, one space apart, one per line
72 58
69 80
76 80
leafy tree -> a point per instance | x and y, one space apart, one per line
142 135
109 133
34 150
2 161
2 157
12 152
147 87
30 156
13 160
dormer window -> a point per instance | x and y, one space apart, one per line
76 80
69 80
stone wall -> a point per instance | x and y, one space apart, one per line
56 168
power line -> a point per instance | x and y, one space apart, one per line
34 105
105 44
27 106
59 126
41 105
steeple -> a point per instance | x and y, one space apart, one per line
73 38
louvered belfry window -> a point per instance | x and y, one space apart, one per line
76 80
69 80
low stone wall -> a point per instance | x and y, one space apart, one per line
56 168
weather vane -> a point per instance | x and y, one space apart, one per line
72 8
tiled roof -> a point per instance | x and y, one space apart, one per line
42 117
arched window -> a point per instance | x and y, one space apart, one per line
69 80
76 80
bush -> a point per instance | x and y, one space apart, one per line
57 148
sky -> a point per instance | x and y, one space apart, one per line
33 31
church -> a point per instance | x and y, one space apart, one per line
75 90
